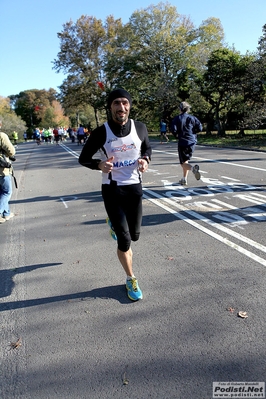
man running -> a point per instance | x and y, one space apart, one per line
126 153
185 127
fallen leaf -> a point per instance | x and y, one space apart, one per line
16 345
125 380
243 315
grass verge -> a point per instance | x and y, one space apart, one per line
250 140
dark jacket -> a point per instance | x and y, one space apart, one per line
185 127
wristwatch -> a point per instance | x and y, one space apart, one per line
146 158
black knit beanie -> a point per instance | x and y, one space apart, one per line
118 93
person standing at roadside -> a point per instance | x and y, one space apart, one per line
126 153
8 150
185 127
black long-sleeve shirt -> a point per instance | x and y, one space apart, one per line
97 139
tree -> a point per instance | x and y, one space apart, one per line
157 51
31 105
10 121
222 85
262 42
259 73
5 107
81 57
152 56
233 86
253 87
54 116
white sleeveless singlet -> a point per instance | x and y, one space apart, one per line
126 152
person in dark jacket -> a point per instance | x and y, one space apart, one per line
125 154
185 128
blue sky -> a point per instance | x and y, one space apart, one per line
29 43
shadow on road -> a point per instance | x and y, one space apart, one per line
7 275
116 292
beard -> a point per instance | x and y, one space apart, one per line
120 118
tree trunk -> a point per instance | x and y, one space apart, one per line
209 128
220 129
96 117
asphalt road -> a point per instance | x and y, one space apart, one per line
200 260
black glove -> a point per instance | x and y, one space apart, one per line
4 163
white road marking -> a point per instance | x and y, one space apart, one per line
67 149
214 161
229 178
218 226
67 199
178 215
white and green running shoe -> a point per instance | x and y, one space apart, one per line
133 291
112 232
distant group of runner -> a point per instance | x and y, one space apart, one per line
60 134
